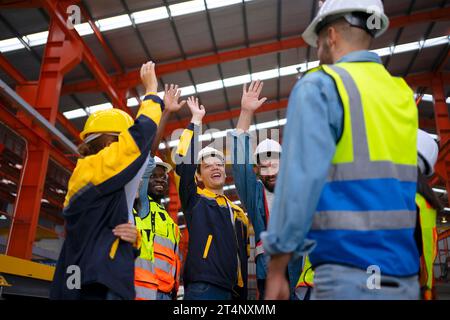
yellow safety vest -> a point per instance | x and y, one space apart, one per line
160 239
372 180
306 278
427 216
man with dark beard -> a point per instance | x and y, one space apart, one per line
256 190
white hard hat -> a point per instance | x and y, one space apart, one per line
265 146
428 151
207 152
159 162
331 8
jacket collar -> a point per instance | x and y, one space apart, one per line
209 194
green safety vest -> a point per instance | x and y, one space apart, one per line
157 222
160 237
372 180
427 215
307 276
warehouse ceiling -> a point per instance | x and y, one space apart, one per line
137 31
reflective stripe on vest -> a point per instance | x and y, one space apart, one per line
144 293
428 217
160 247
145 280
164 266
165 243
366 213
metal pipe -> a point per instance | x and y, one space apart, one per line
16 101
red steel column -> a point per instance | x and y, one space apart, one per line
442 119
59 57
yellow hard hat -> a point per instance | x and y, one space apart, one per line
107 121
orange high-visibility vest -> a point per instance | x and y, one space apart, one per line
160 239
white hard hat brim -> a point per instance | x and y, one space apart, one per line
207 152
165 165
428 150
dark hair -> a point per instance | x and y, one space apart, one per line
427 192
96 145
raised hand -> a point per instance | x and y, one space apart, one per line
198 111
171 96
148 77
250 98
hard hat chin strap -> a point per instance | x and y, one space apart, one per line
94 136
423 165
355 19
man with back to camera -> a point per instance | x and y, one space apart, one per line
348 182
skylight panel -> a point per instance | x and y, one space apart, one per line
36 39
267 125
209 86
436 41
213 4
186 91
113 22
73 114
103 106
234 81
187 7
84 29
289 70
265 75
407 47
10 45
150 15
132 102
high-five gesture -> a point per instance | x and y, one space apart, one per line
148 77
250 98
198 111
171 96
249 104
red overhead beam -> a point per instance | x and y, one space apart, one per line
422 80
102 78
444 235
34 136
420 17
425 79
105 46
15 74
444 61
20 79
101 39
132 79
71 129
